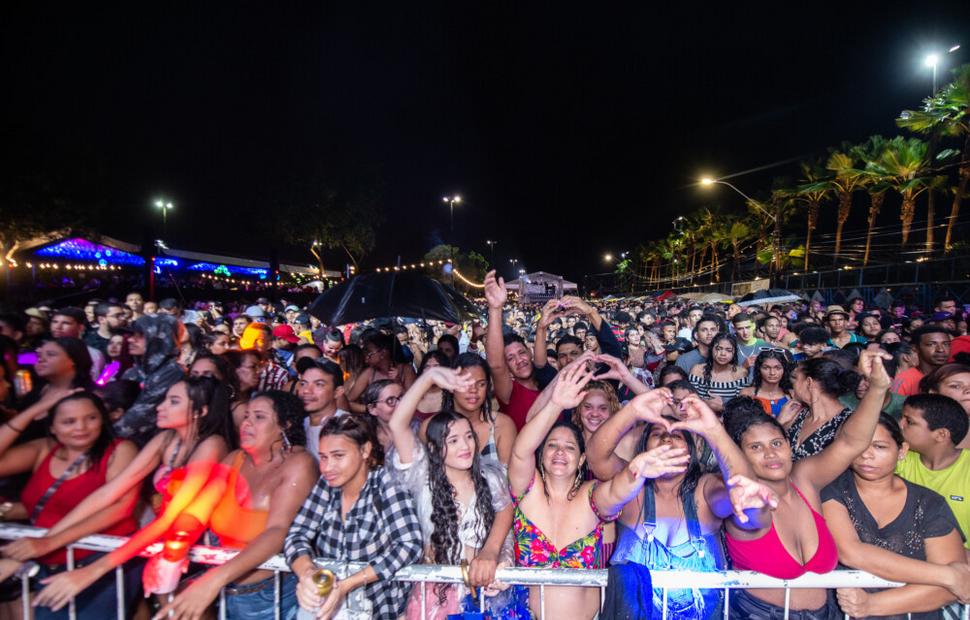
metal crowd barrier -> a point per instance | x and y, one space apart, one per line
541 577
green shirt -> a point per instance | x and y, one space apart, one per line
952 482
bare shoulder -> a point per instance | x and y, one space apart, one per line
504 422
300 464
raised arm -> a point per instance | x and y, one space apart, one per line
856 432
617 370
400 423
601 449
611 496
735 493
549 311
496 294
567 393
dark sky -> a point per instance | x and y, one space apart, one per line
569 131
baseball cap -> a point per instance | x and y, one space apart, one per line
285 332
291 308
255 312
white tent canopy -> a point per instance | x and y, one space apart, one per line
540 286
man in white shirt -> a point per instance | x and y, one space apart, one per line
321 383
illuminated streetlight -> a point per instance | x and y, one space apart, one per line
491 244
933 60
165 206
452 201
608 258
705 181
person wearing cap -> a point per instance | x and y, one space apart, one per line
301 326
284 341
290 312
256 312
837 322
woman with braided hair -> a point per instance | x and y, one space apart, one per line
461 498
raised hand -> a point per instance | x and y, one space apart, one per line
650 406
495 292
550 311
789 411
617 369
660 461
872 368
572 302
696 416
450 379
568 391
746 494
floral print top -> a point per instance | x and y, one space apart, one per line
534 549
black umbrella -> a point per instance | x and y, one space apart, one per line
378 295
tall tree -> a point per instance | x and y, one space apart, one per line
812 192
947 112
875 185
904 166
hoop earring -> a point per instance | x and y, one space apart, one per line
577 482
286 442
542 473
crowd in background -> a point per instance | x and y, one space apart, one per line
629 434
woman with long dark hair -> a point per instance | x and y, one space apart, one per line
384 360
249 505
495 430
893 529
558 516
355 513
721 377
195 436
462 499
817 384
792 507
77 457
771 385
674 521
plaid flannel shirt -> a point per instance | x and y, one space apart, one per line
381 528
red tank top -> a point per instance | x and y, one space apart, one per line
66 497
520 401
768 556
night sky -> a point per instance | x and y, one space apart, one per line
569 132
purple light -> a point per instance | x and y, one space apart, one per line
82 249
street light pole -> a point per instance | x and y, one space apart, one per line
165 206
491 244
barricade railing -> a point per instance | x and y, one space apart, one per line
541 577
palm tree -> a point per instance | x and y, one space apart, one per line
947 112
812 192
875 185
713 234
903 164
845 183
773 213
739 231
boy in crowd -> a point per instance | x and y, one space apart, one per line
933 425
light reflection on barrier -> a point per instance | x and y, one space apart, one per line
541 577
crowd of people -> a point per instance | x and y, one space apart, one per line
631 435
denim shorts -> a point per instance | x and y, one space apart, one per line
255 601
99 600
743 605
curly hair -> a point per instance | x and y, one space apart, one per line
472 360
709 364
289 414
445 545
611 399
